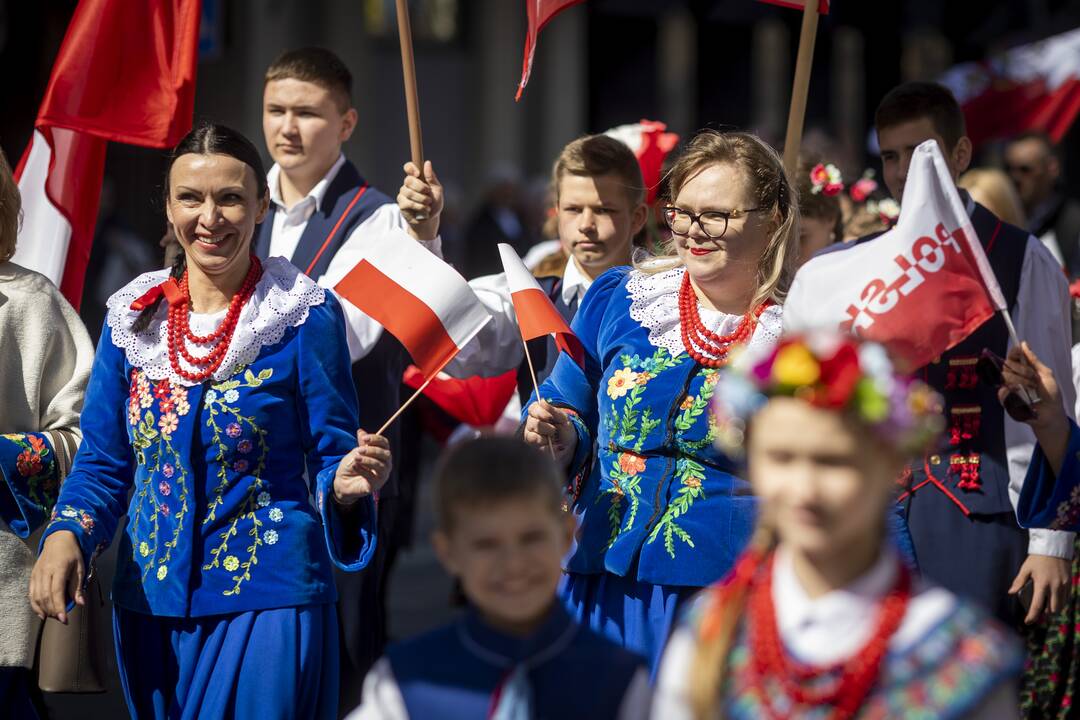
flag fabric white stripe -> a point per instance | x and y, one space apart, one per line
45 233
518 277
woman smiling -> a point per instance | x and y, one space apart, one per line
217 387
661 512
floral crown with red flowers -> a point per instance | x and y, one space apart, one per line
830 371
826 179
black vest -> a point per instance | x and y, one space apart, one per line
543 350
969 464
377 375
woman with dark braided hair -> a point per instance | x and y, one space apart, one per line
221 399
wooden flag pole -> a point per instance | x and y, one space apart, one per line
536 386
412 99
801 87
412 398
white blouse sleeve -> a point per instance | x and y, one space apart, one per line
381 699
497 348
671 697
1041 316
385 225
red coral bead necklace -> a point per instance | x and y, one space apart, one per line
802 683
714 348
179 331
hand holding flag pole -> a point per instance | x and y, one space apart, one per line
536 315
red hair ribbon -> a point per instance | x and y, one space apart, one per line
169 289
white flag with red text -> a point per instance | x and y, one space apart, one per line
919 288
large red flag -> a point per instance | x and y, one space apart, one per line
125 73
919 289
1031 87
539 13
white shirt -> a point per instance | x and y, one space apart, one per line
825 630
385 225
1041 316
498 347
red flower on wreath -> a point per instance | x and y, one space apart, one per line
28 463
631 464
839 376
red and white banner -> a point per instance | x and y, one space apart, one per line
1031 87
539 13
125 73
651 144
919 288
418 298
536 315
823 5
476 401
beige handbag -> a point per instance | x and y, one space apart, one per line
71 658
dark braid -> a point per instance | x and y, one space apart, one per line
147 315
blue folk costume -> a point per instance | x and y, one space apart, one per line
660 510
1053 501
469 670
223 592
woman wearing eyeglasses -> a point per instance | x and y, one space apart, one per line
661 512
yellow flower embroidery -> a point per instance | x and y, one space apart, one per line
796 367
162 572
231 563
621 382
144 549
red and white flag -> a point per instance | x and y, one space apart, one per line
536 315
823 5
539 13
1031 87
919 288
418 298
125 73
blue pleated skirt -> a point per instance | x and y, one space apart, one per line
265 664
637 615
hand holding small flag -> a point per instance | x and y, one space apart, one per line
364 470
549 426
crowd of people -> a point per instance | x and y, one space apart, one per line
722 511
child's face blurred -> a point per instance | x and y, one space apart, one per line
824 482
508 557
814 234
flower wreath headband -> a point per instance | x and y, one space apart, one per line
826 179
830 371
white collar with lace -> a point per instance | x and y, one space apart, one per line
654 303
281 300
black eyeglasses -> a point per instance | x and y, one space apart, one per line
713 223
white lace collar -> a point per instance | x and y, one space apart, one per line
654 303
281 300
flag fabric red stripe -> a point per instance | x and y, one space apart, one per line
476 401
538 317
406 316
823 5
153 46
539 13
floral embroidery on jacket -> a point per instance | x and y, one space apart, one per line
36 466
227 424
1068 512
151 439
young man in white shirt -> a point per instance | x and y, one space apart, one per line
323 216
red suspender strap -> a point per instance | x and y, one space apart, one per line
337 226
993 239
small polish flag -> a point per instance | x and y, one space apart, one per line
418 298
535 312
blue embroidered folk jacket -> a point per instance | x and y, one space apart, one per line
220 516
1052 501
658 501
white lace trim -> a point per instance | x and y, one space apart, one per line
281 300
654 303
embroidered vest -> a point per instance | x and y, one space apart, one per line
969 464
349 201
543 351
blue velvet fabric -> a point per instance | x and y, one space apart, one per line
453 673
30 479
660 504
220 518
273 664
1050 501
